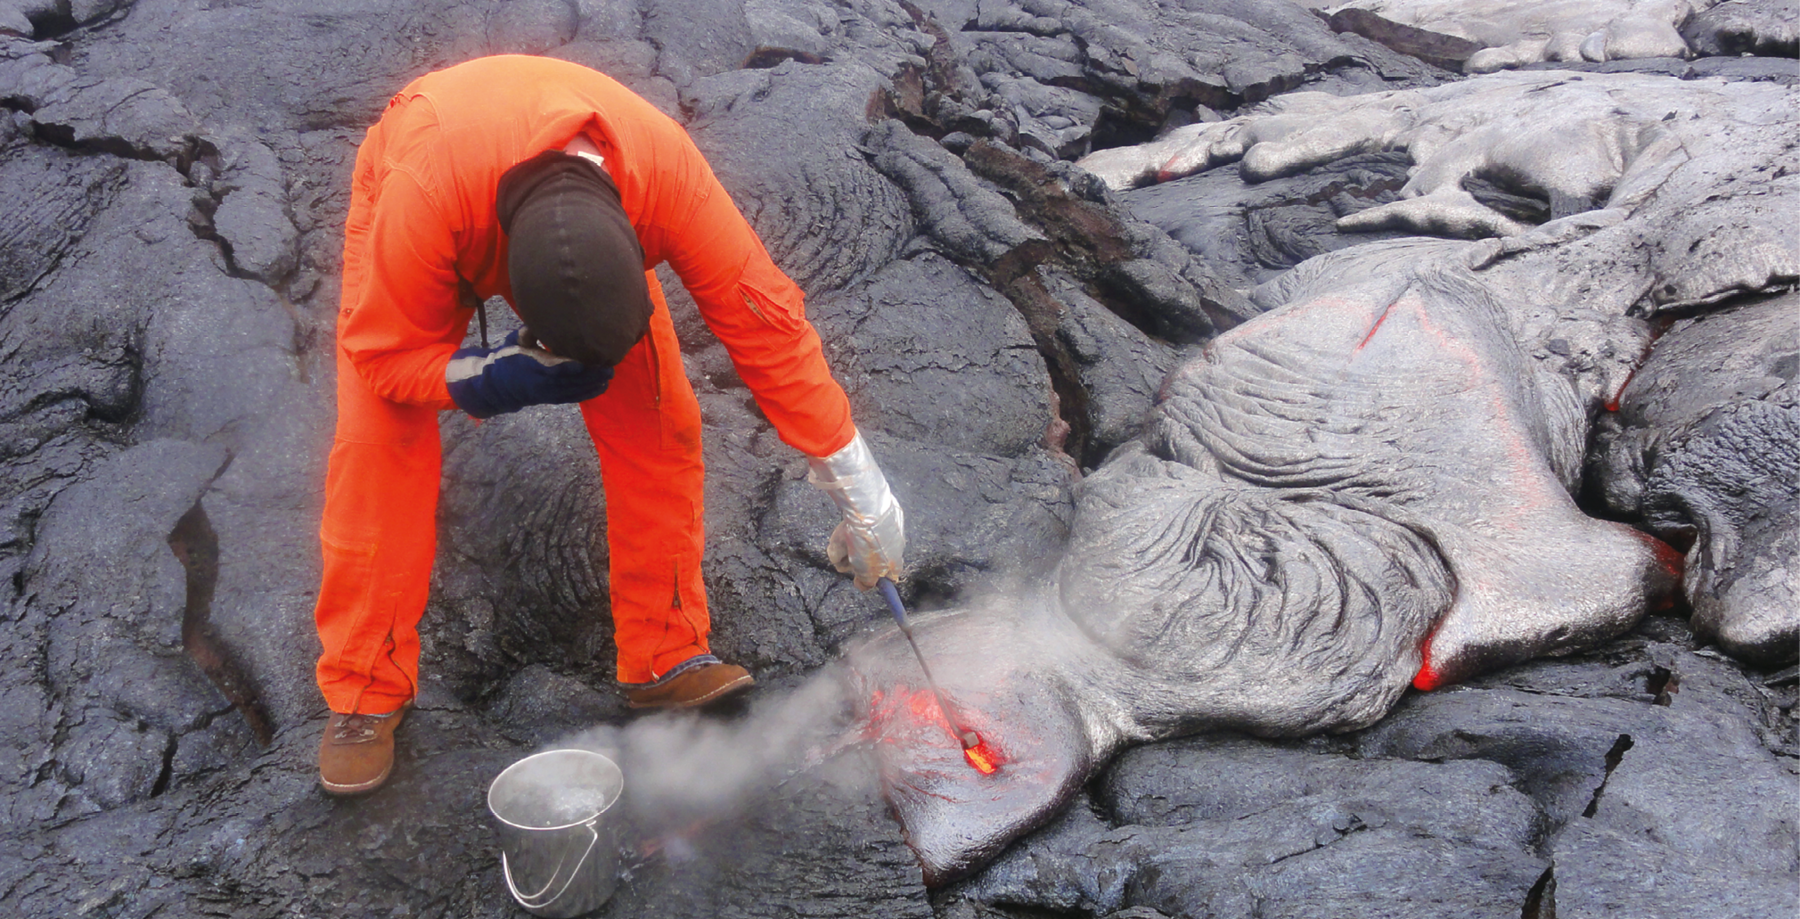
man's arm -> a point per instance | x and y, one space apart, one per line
759 314
400 320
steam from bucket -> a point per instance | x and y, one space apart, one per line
555 789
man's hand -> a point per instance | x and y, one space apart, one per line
871 539
493 381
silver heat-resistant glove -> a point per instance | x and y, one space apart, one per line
872 537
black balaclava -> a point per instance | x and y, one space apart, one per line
576 265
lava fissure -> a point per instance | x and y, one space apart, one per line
196 547
1613 757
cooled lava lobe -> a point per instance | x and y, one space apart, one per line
1703 449
1030 708
1185 602
1510 33
1319 487
1424 403
1575 142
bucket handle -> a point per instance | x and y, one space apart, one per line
538 900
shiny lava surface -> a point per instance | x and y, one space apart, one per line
919 708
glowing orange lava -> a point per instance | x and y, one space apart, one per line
984 758
1427 678
920 707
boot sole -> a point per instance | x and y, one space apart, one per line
359 788
743 682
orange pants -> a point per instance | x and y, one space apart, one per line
379 535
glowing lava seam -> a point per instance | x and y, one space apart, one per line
983 757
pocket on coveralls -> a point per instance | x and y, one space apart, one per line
772 296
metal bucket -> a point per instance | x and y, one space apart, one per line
560 859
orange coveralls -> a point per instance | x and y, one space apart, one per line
421 220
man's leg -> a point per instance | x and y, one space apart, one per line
378 537
646 428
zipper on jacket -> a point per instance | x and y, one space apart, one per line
655 371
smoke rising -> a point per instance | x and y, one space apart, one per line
691 778
688 768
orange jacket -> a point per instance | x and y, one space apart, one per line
422 217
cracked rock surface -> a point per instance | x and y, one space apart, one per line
1578 788
173 182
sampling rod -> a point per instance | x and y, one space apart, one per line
891 594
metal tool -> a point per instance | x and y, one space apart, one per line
891 594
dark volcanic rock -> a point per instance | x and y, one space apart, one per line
1703 450
1076 254
1759 27
266 844
1060 78
1570 779
932 356
173 184
1447 51
747 121
252 218
39 228
105 622
1228 827
266 68
534 539
1121 368
1620 751
1250 233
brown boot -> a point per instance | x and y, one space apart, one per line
705 680
357 752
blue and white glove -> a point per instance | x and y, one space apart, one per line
493 381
